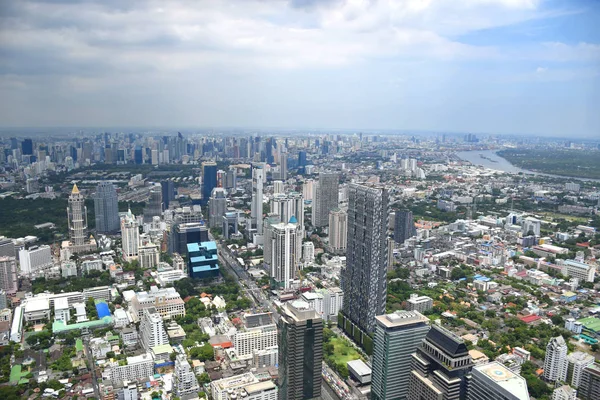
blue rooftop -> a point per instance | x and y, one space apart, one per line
202 246
293 220
102 309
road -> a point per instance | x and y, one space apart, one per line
92 365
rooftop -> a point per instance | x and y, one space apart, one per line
401 318
504 378
359 367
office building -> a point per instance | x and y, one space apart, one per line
577 362
130 236
152 329
203 261
183 234
77 216
440 366
231 179
338 230
531 227
364 281
282 246
7 247
283 166
35 260
493 381
555 363
168 193
589 387
246 341
106 208
217 206
419 303
209 180
300 352
404 226
148 256
256 207
27 147
185 383
397 336
230 224
576 269
325 198
8 275
166 301
155 204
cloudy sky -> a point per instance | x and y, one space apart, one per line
498 66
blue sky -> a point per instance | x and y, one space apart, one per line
498 66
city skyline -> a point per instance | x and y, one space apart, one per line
499 66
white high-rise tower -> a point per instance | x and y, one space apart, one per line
555 363
258 178
283 247
130 236
77 215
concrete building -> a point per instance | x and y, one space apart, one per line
77 218
259 338
7 247
300 352
130 236
364 281
136 368
221 388
256 209
397 336
152 329
555 363
338 230
493 381
185 383
589 387
106 208
419 303
564 392
308 252
440 366
577 361
576 269
148 256
230 224
282 245
325 198
8 274
217 206
154 207
35 260
404 226
167 302
203 261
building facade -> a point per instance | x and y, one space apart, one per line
130 236
8 275
338 230
555 363
283 245
106 208
325 198
77 216
404 226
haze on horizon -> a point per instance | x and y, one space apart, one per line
495 66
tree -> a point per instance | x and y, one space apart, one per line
595 347
203 378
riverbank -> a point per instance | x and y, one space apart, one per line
561 162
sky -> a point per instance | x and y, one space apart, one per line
528 67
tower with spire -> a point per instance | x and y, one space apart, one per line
77 216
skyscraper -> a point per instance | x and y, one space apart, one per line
8 274
27 147
440 366
106 208
283 246
209 180
77 216
185 384
287 206
325 198
256 211
152 329
130 236
555 363
168 193
217 206
300 341
302 158
338 230
397 336
589 388
283 166
493 381
155 206
364 281
404 226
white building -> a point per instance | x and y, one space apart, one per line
148 256
531 225
36 310
577 361
120 318
97 293
564 392
152 329
251 339
572 325
575 269
135 368
130 236
184 379
61 310
419 303
493 381
315 302
308 252
167 302
220 388
282 247
35 260
555 363
268 357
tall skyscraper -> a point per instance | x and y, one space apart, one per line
209 180
8 274
338 230
155 205
256 211
325 198
440 367
27 147
185 383
283 246
77 216
555 363
217 206
364 281
283 166
106 208
168 193
302 158
493 381
300 343
130 236
397 336
287 206
589 388
404 226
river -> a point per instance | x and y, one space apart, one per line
493 161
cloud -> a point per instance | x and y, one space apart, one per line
540 70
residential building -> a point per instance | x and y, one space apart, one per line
577 361
259 338
404 226
419 303
7 247
167 302
8 274
35 260
185 383
308 252
287 206
493 381
135 368
152 329
106 208
555 363
256 209
220 389
130 236
576 269
564 392
282 247
338 230
148 256
364 281
397 336
589 387
440 366
300 352
325 198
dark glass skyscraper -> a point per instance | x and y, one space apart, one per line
404 226
209 180
168 193
300 341
106 208
27 147
364 281
155 206
138 155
